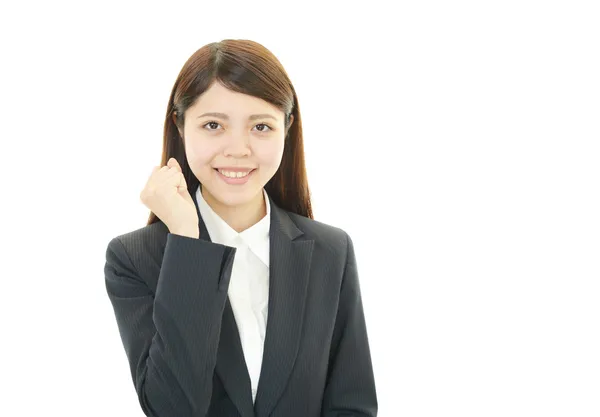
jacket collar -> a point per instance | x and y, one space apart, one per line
256 236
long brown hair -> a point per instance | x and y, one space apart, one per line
247 67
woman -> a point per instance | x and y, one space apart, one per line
232 300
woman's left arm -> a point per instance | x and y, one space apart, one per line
350 389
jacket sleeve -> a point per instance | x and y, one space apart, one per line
171 337
350 388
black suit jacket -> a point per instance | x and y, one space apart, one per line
169 294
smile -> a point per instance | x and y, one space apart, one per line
234 177
234 174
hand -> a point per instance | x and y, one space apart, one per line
167 196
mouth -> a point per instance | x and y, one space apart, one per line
234 177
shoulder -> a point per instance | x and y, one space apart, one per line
315 229
143 235
141 244
330 238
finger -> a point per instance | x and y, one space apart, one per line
176 181
158 175
173 163
166 176
182 183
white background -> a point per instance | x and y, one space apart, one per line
456 142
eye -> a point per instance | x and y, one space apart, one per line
210 123
263 124
213 123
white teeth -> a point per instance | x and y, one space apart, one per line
230 174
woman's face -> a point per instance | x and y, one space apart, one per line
244 141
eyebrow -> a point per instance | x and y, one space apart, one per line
252 117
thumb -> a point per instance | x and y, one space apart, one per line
183 190
172 163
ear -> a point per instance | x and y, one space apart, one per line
291 123
175 123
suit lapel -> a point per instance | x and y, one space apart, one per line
231 365
289 266
288 281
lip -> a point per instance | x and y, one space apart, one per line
235 169
235 181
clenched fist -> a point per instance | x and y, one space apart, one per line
167 196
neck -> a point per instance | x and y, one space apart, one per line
241 217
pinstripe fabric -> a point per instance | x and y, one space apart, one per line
169 295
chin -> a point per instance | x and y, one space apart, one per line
233 198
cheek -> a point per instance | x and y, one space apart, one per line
201 150
200 155
269 154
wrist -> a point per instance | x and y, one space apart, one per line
187 232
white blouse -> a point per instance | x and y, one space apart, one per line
249 285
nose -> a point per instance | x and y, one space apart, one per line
237 146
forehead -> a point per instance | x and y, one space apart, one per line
218 98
